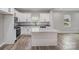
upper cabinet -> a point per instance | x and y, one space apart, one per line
6 10
44 17
22 17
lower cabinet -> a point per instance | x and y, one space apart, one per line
44 39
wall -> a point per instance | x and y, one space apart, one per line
58 19
51 19
1 29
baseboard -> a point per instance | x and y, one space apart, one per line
6 43
2 44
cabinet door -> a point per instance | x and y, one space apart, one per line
22 17
44 17
44 39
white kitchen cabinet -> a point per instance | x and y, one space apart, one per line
26 30
24 17
44 38
7 31
28 17
21 16
44 17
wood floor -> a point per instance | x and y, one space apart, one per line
68 41
22 43
65 42
9 46
6 47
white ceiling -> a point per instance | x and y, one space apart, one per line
66 9
33 9
45 9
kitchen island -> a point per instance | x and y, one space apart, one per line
44 38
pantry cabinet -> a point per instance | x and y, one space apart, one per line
7 31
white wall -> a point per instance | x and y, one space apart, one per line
58 19
51 19
1 29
